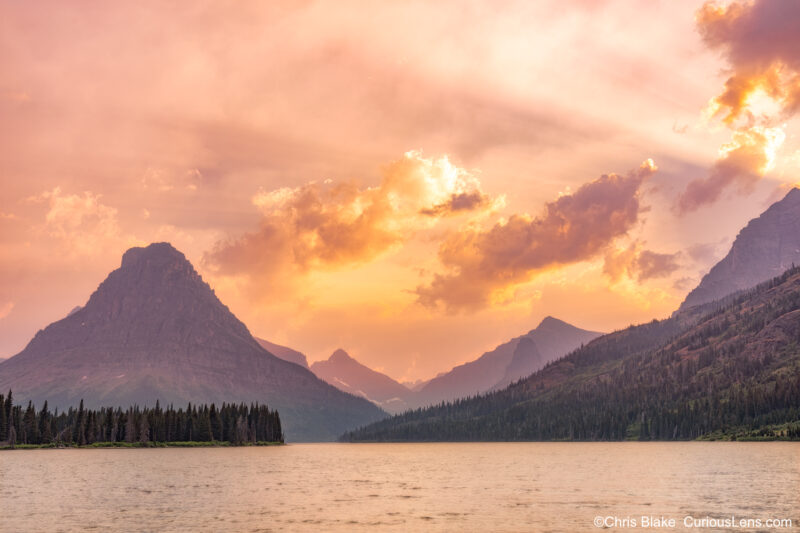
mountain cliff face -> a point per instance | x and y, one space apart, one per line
347 374
155 330
515 359
287 354
765 248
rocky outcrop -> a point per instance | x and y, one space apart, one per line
764 249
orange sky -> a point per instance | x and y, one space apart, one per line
413 182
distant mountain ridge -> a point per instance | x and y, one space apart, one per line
347 374
155 329
727 369
508 362
765 248
725 363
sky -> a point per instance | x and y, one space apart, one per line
414 182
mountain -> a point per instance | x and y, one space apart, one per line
728 369
344 372
415 385
287 354
765 248
517 358
155 330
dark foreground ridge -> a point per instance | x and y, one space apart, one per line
727 370
228 425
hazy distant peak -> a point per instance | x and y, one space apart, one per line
75 310
349 375
554 326
340 356
550 321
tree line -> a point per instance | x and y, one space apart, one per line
236 424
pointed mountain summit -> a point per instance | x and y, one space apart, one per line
347 374
339 356
155 330
510 361
765 248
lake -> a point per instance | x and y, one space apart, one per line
400 487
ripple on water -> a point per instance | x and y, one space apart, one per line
393 487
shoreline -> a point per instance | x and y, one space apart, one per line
137 445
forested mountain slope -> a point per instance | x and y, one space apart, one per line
731 367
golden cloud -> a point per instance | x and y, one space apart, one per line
743 162
573 228
328 225
761 43
80 224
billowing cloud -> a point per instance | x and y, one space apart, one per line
742 162
274 95
574 228
327 225
80 223
639 264
761 43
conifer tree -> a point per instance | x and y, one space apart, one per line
3 419
130 426
144 429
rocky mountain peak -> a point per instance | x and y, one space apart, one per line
340 356
765 248
155 296
159 253
154 330
158 262
549 323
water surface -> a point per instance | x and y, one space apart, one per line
395 487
